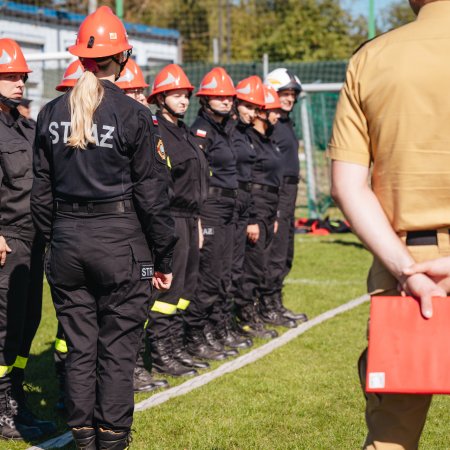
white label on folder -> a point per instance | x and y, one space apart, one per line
376 380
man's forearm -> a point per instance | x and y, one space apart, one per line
367 218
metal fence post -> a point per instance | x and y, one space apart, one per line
307 141
265 62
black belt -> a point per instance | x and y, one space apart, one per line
265 188
231 193
247 187
422 237
291 180
91 207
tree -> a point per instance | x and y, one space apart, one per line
397 14
288 30
295 30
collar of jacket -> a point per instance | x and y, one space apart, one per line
220 127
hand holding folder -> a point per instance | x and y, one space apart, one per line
408 353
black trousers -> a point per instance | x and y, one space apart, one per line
282 247
256 258
242 212
21 280
166 312
214 278
94 270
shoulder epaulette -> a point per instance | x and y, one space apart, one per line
369 40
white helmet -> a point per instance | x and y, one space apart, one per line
282 79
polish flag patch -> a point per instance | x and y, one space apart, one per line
155 120
201 133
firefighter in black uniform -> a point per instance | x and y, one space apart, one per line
100 195
132 82
21 251
189 171
206 314
266 181
249 99
288 87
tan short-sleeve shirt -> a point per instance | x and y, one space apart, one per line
394 115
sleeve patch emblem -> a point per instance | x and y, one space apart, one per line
201 133
160 149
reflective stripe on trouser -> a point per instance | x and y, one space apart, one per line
185 273
163 308
19 363
395 421
183 304
20 304
61 345
4 370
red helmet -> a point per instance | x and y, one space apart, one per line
217 83
11 57
169 78
100 34
131 77
251 90
74 71
271 99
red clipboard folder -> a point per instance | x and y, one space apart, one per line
407 353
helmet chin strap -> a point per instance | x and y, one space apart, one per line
170 110
10 102
223 114
121 64
270 127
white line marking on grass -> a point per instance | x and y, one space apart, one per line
227 367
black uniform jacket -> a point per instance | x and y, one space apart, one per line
188 168
284 136
127 161
16 174
243 149
219 152
267 170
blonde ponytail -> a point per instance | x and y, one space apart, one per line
84 99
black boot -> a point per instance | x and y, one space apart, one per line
163 360
180 353
9 429
22 413
113 440
269 313
250 324
144 382
197 346
213 342
228 337
299 317
85 438
142 379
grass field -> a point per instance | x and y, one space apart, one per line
304 395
